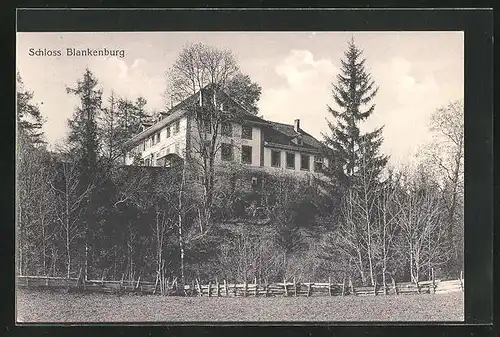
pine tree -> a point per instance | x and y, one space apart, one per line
83 138
29 118
132 115
84 146
347 145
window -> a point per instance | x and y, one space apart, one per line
275 158
246 132
147 162
290 160
227 129
304 162
227 152
246 154
156 138
177 127
318 164
168 131
143 145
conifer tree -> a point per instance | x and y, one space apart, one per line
353 93
29 118
84 146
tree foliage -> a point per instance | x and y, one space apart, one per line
346 145
29 117
244 91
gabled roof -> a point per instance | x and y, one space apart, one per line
288 131
178 111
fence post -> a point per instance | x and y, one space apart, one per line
209 288
245 288
77 281
394 285
200 292
433 281
138 282
351 286
294 287
266 288
225 287
255 282
309 289
218 287
329 286
284 285
343 286
234 289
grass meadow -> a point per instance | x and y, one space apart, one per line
52 306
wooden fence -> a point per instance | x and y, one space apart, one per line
225 289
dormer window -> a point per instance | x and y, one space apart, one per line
297 140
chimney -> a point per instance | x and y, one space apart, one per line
296 126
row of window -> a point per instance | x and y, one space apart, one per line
155 138
152 157
227 130
305 161
246 158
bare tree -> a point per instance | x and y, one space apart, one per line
387 224
70 200
34 205
204 70
446 157
418 215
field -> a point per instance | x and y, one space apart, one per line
51 306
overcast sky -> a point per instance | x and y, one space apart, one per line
417 72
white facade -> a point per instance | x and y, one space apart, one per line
177 132
236 142
168 139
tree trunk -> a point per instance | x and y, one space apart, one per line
361 267
181 246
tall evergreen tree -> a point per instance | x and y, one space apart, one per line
132 115
346 145
83 137
84 145
29 118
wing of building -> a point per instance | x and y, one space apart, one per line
245 140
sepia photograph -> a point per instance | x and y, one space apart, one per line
240 176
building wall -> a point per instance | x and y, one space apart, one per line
267 160
165 145
236 141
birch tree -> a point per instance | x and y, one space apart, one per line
70 202
446 158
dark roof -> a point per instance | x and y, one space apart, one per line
278 133
288 131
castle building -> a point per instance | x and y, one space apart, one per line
242 138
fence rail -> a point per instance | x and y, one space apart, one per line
224 289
